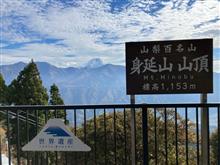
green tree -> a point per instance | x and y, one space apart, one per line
214 146
3 101
28 89
55 99
3 90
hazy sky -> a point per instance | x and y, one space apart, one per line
71 32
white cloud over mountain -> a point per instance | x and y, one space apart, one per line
86 29
217 66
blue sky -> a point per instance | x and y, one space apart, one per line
71 32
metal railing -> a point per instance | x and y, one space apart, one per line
164 134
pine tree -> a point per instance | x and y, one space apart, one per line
3 101
28 89
55 99
3 90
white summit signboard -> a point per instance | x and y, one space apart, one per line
56 137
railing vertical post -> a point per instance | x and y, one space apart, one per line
18 137
0 150
45 121
125 138
8 137
165 136
36 124
84 130
204 132
218 114
115 141
56 153
186 130
197 136
95 129
145 136
133 132
155 135
105 139
27 135
65 121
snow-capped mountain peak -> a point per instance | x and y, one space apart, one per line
94 63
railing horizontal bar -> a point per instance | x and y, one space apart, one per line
21 113
22 118
78 107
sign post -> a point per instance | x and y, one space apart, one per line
171 67
133 132
204 131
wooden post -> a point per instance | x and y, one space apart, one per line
133 132
204 132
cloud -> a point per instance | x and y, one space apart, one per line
90 29
216 65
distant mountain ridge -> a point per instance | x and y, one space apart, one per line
87 85
98 83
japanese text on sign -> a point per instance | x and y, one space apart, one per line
180 66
